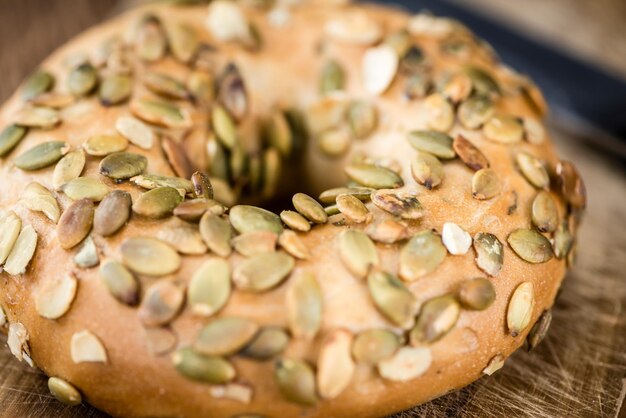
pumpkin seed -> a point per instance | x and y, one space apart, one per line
421 255
388 231
262 272
68 168
86 347
206 369
55 295
209 288
75 223
378 69
137 132
64 392
192 210
358 252
37 117
161 113
38 83
42 155
22 251
571 184
400 41
489 253
216 233
53 100
533 170
185 238
155 181
352 208
485 184
539 330
304 304
10 137
436 318
202 187
332 210
87 254
123 165
503 130
457 87
327 113
335 366
309 208
476 294
373 176
160 341
246 218
150 41
231 92
149 256
85 188
225 336
483 82
427 170
456 240
200 87
224 127
406 364
295 221
183 42
563 240
426 25
417 85
534 130
3 317
530 245
112 213
375 345
255 242
392 298
115 89
330 195
120 282
544 213
291 242
268 342
39 199
469 154
363 118
10 227
495 364
440 112
432 142
82 80
103 145
157 203
520 310
402 204
296 381
177 157
224 194
161 303
475 112
332 77
334 142
165 85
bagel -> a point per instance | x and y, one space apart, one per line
313 209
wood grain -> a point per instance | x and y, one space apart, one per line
578 371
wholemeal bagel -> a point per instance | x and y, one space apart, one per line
142 275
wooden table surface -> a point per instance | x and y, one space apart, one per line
578 371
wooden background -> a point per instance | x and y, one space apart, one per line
578 371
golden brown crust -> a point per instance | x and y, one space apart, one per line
137 383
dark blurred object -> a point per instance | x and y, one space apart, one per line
585 99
